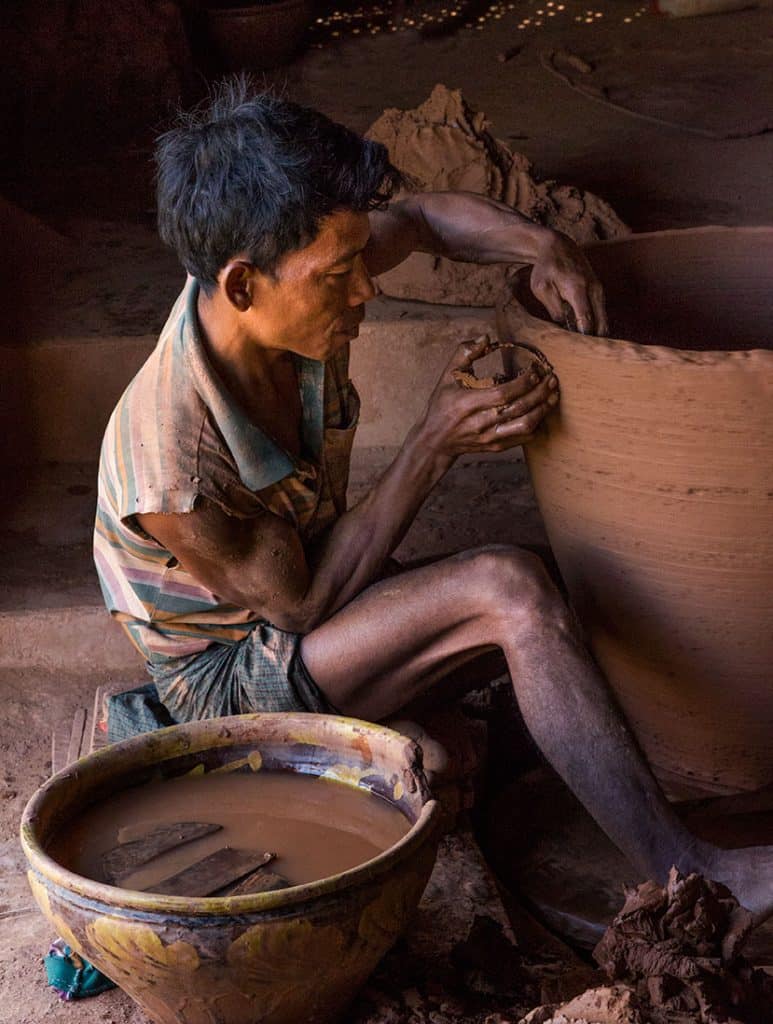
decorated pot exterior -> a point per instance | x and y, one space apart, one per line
297 954
655 481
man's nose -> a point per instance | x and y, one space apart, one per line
363 287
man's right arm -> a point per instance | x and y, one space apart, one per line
261 563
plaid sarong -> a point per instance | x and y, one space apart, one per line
265 672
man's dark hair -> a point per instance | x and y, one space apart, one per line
257 174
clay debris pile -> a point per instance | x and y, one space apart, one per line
444 145
672 956
460 962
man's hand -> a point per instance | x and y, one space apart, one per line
564 282
475 229
462 421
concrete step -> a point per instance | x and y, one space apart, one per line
67 361
51 613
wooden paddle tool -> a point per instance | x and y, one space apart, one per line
259 881
124 859
225 872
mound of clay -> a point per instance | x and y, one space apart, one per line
672 956
445 145
613 1004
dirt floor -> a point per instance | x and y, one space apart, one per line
655 176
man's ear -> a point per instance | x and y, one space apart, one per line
238 280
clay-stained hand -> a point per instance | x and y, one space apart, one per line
565 284
462 420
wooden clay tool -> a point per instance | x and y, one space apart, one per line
123 860
214 873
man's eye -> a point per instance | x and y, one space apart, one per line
339 273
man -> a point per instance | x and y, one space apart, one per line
223 542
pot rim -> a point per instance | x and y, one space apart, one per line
207 732
615 347
253 10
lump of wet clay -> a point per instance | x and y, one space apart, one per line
517 359
607 1004
444 144
675 951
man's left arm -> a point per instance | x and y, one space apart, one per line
471 228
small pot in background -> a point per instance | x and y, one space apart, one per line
257 36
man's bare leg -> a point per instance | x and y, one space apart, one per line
401 635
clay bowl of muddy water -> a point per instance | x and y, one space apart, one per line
655 481
280 957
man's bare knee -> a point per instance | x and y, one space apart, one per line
515 588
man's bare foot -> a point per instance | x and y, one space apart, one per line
748 874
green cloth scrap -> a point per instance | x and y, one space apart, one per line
72 976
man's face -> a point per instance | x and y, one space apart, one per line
316 304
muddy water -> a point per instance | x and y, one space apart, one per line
316 827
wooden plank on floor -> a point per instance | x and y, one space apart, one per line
98 738
84 733
68 741
60 741
75 746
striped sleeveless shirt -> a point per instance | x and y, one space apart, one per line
175 435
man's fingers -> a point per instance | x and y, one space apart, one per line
498 427
466 353
599 310
548 295
570 308
545 392
577 304
503 394
523 426
580 302
490 424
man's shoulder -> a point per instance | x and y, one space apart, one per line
162 401
151 444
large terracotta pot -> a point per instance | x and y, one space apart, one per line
297 954
655 481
